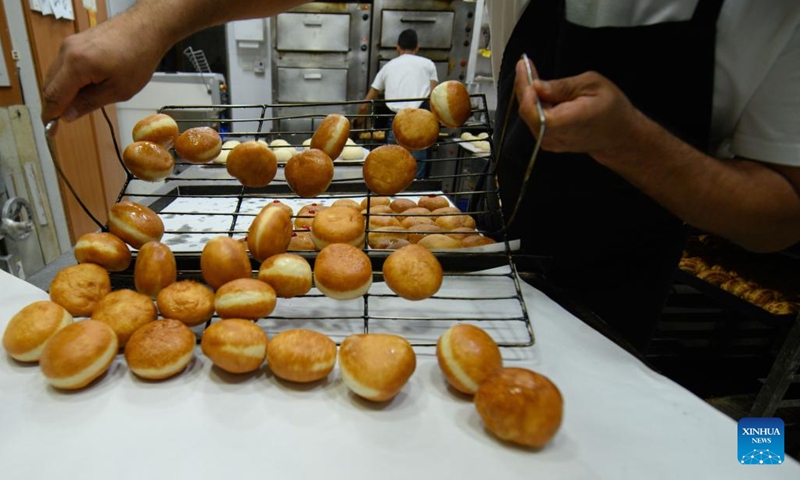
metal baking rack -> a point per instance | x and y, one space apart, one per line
199 202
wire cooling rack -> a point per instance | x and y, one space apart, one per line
481 286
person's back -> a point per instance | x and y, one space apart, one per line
407 76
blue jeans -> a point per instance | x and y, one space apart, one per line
419 155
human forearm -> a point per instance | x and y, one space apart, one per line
746 201
754 204
115 59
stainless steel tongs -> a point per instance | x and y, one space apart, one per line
536 146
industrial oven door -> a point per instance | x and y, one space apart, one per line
313 32
434 29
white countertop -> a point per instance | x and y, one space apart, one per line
621 420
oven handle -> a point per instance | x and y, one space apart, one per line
312 23
312 76
417 20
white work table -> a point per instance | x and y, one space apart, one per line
621 421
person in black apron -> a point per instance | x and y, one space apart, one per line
613 248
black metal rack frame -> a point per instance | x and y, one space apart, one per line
483 203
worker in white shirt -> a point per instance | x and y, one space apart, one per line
407 76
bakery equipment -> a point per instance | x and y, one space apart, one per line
444 29
320 54
203 201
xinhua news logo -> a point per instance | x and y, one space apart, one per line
761 441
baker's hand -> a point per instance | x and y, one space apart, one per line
107 63
586 113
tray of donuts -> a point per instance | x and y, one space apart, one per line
759 283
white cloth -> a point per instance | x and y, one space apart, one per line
757 70
407 76
621 419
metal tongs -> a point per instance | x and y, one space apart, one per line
50 129
536 147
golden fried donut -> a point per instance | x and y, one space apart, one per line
157 128
376 366
432 202
780 307
301 355
198 144
104 249
29 329
347 202
279 204
125 311
288 274
520 406
301 241
342 271
135 224
78 288
187 301
450 103
382 221
416 232
224 259
438 241
476 241
245 298
415 212
389 169
760 296
412 222
155 268
415 128
235 345
160 349
389 237
331 135
460 233
714 276
253 164
78 353
375 201
413 272
309 173
467 356
692 265
148 161
338 225
400 205
452 222
305 217
270 233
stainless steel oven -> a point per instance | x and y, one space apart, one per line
330 51
444 29
320 53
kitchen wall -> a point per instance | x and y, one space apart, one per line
249 57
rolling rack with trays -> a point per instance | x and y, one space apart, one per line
199 202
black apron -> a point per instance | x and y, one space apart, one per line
613 248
